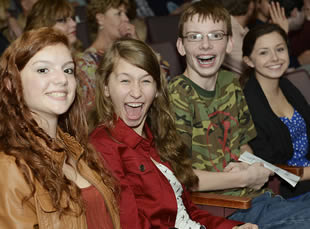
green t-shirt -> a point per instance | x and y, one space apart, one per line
213 124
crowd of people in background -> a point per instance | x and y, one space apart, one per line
100 135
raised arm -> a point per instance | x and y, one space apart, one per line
277 15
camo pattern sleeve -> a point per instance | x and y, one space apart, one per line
213 125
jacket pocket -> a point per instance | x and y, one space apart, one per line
138 174
48 216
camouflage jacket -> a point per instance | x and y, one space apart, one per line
213 124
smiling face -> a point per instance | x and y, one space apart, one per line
68 26
204 57
132 91
49 83
269 56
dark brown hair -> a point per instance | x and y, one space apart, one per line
250 40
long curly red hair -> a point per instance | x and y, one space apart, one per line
21 136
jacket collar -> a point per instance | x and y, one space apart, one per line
124 134
70 144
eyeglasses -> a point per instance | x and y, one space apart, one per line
213 36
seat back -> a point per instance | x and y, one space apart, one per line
82 31
169 53
301 79
162 28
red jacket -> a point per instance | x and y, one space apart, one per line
147 199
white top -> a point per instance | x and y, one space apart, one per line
182 220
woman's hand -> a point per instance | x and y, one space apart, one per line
246 226
128 30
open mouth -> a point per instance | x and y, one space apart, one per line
206 59
134 110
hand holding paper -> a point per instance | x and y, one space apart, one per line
249 158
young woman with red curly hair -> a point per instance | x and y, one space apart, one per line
50 176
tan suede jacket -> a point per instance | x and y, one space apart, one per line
38 212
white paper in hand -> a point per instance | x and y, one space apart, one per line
249 158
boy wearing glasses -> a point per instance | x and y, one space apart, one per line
214 122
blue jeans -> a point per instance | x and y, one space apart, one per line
276 212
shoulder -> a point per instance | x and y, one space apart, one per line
103 141
287 84
181 88
226 78
228 84
292 92
98 134
178 84
88 57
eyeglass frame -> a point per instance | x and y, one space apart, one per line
208 35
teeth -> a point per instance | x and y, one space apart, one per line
209 57
275 66
57 94
206 59
134 104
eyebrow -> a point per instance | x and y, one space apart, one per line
126 74
212 31
49 62
280 44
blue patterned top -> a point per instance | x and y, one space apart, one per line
298 132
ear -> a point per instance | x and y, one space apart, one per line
106 91
180 47
230 44
100 18
248 61
8 84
